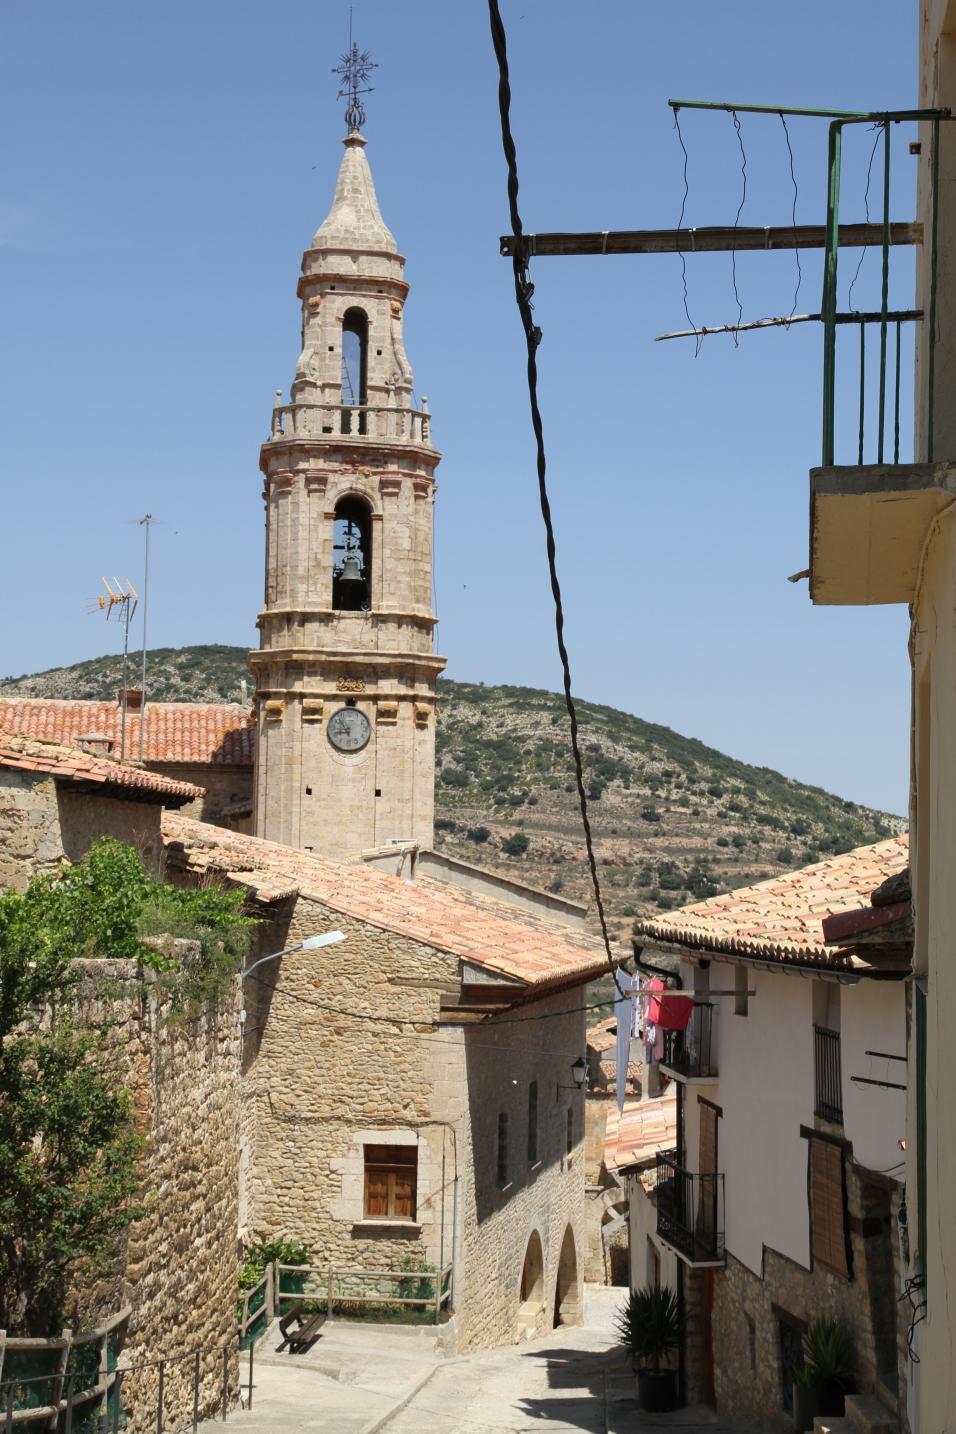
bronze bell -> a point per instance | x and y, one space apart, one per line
351 571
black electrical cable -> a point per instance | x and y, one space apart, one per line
740 210
793 180
680 224
866 208
524 289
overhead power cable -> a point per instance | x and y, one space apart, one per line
740 210
680 224
524 290
793 181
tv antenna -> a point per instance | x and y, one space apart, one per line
123 600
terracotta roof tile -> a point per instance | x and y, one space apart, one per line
634 1135
25 754
476 928
782 919
221 733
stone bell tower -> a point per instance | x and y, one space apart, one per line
346 669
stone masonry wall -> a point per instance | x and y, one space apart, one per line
178 1266
320 1085
485 1069
748 1375
41 824
317 1087
221 785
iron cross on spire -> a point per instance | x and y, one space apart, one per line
354 70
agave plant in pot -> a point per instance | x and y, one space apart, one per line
826 1376
651 1327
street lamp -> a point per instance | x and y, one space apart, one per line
579 1074
311 943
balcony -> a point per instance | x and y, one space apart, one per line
689 1055
828 1089
377 422
690 1211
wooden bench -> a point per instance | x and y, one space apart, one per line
306 1329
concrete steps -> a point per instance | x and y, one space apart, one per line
868 1414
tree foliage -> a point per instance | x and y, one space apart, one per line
69 1147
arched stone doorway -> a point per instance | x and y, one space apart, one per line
531 1306
567 1290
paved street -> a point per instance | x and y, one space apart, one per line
372 1381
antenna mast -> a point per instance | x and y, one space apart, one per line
123 600
145 523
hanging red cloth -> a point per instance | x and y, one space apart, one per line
670 1010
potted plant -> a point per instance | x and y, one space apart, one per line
651 1326
827 1372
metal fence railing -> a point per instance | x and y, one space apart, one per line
134 1396
351 1291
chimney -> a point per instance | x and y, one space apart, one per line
134 698
96 743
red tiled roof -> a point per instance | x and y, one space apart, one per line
477 928
634 1135
221 733
782 919
602 1039
71 765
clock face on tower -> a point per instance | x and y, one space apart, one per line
348 729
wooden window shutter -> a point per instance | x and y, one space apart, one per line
828 1238
376 1193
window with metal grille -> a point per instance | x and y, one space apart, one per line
533 1123
391 1182
502 1166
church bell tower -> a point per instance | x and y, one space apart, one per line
345 672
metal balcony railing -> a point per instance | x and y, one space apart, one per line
690 1211
828 1088
380 422
691 1053
888 321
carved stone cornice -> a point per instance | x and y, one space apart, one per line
390 485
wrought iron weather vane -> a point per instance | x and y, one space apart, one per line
354 70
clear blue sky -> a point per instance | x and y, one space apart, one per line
165 166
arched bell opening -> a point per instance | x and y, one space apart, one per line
354 370
352 556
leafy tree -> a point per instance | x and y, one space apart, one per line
478 835
516 845
69 1147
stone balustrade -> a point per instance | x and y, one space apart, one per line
376 422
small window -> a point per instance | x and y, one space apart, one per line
391 1182
570 1129
741 998
502 1168
354 369
533 1123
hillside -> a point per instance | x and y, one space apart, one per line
674 820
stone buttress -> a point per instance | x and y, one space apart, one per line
346 669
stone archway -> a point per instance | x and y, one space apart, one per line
532 1271
567 1288
531 1306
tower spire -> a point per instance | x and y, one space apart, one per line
354 70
